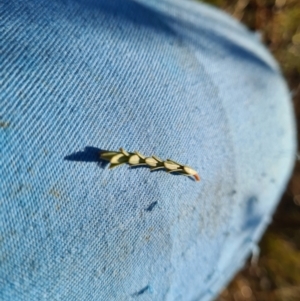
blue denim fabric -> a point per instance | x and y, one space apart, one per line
171 78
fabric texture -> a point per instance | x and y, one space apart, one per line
172 78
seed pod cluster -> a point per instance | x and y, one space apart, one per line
136 159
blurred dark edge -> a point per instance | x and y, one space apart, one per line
276 276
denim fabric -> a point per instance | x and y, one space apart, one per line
171 78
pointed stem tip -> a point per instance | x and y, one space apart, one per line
196 176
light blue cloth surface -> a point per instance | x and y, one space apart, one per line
171 78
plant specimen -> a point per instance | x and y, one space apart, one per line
117 158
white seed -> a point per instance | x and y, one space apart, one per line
189 170
151 162
134 159
120 158
107 155
171 166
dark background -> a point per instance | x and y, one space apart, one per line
276 275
